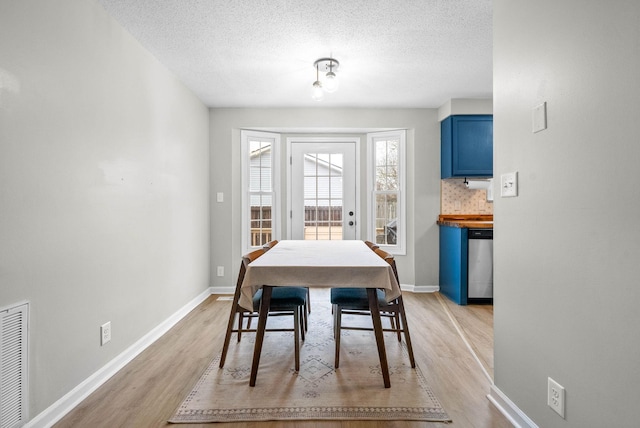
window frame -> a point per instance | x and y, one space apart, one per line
245 137
401 135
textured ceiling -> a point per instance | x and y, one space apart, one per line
260 53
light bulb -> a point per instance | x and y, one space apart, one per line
331 82
316 91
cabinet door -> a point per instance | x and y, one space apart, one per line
453 263
467 146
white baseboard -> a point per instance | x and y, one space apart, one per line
516 416
223 290
64 405
420 288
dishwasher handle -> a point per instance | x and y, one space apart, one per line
480 234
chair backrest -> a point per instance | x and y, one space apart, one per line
385 255
371 245
246 259
270 244
388 257
249 257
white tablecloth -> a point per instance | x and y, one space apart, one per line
319 264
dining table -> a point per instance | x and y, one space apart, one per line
307 263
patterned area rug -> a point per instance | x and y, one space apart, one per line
354 391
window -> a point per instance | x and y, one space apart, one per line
386 190
259 184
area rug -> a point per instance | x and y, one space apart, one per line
319 391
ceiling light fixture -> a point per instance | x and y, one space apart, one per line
330 82
316 91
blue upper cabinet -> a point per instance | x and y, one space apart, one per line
467 146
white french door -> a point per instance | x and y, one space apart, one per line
322 182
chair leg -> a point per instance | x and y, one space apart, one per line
262 323
240 320
337 314
392 321
227 336
405 329
296 335
333 312
305 319
308 300
302 315
232 314
398 326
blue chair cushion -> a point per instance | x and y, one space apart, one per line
355 298
282 298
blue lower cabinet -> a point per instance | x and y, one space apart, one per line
453 263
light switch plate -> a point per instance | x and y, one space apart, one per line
509 185
220 197
540 117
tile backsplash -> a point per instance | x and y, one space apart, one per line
455 198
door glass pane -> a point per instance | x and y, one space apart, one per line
310 188
322 196
324 190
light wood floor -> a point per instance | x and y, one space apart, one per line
475 325
146 392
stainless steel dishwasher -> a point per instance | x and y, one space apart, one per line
480 266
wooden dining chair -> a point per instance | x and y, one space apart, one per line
307 305
355 301
256 300
236 309
284 301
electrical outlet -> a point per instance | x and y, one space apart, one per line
105 333
555 396
220 270
509 185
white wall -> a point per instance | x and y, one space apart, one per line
465 106
104 191
420 265
566 249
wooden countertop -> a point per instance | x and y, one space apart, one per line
471 221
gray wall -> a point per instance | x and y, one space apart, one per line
104 188
420 265
566 249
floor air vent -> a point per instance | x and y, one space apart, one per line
13 365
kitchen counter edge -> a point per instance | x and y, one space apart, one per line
470 221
